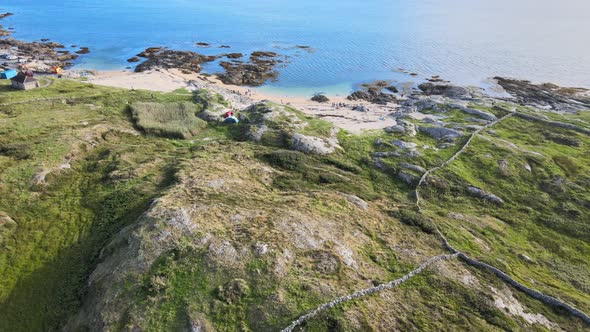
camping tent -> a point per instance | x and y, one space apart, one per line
8 74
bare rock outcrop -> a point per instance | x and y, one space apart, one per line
479 193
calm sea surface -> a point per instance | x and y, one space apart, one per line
465 41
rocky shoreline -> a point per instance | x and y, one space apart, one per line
38 56
259 68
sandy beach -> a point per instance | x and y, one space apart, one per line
169 80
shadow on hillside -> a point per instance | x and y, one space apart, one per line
45 298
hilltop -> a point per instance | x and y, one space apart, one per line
140 210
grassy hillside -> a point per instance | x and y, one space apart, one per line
118 224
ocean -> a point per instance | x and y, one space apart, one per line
352 41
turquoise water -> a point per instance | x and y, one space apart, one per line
464 41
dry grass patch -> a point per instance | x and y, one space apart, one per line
174 120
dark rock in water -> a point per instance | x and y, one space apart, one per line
378 98
546 95
359 95
150 51
250 74
67 57
184 60
303 46
134 59
83 50
63 52
435 79
373 92
263 54
202 44
224 46
319 98
74 46
450 91
234 55
3 15
259 69
392 89
44 39
413 74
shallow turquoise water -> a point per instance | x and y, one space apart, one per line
464 41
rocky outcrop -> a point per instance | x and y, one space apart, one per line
83 50
40 56
319 98
412 167
546 95
214 105
282 126
186 61
402 127
234 55
404 145
484 115
440 133
479 193
446 90
7 225
548 122
314 145
374 93
259 69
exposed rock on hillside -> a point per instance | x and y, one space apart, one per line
282 126
316 145
477 192
402 127
214 105
440 133
200 219
546 95
7 225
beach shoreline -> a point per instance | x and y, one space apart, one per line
338 110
